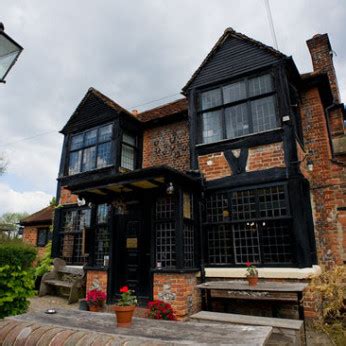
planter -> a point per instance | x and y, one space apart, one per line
252 280
95 308
124 315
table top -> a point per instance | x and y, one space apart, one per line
236 285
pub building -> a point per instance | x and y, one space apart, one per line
248 165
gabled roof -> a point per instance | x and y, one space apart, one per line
42 216
92 92
230 32
163 111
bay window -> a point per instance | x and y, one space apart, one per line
237 109
91 150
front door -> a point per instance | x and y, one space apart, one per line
132 250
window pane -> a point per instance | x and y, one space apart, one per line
210 99
90 137
75 162
272 202
127 157
42 237
105 133
244 205
89 156
220 244
104 155
210 125
263 114
102 213
237 123
77 142
234 92
129 139
260 85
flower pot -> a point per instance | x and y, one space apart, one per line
252 280
124 315
95 308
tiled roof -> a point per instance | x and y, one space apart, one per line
165 110
227 33
43 215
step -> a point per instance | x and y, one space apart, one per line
293 329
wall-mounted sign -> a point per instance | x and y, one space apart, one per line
131 243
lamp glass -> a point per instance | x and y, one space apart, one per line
9 52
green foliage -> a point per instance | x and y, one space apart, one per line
16 253
16 276
9 224
44 264
16 285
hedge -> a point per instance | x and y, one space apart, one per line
16 276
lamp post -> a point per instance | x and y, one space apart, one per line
9 52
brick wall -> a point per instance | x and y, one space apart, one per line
167 145
30 237
215 165
327 181
180 291
66 197
100 277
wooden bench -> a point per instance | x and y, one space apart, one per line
291 330
62 277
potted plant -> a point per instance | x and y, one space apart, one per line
252 274
96 299
159 310
125 307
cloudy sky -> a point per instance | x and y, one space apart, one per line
134 52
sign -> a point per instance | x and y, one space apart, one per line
131 243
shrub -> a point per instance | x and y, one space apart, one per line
159 310
44 264
16 276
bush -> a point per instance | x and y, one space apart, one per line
159 310
44 264
16 276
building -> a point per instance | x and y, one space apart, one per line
37 228
248 166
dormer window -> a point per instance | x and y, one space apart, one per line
237 109
91 150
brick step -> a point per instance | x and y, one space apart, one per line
288 329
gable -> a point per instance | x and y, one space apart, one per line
233 55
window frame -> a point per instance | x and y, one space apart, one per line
42 229
287 220
135 147
247 101
85 147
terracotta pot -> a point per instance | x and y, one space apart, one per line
252 280
95 308
124 315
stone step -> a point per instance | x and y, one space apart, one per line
292 330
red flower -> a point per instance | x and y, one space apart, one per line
124 289
248 264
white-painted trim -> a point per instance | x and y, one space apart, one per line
265 273
77 267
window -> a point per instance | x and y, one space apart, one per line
43 236
128 151
102 237
75 236
237 109
90 150
249 225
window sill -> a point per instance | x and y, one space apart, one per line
265 273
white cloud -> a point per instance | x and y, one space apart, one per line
27 201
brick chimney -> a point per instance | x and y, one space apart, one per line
322 60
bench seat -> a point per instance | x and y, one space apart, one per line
59 283
292 329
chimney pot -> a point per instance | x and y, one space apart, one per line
135 112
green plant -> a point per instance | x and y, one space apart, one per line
251 269
16 276
159 310
44 264
127 297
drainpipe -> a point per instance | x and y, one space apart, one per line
202 263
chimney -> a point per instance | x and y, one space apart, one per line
135 112
322 60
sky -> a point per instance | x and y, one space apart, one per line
135 52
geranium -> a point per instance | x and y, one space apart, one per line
127 297
96 297
251 269
160 310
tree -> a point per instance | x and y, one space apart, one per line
3 164
9 224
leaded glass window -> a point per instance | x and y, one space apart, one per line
249 225
90 150
129 151
237 109
102 236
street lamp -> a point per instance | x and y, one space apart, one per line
9 52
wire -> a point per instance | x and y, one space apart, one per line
271 24
54 131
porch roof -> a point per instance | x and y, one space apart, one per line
140 179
